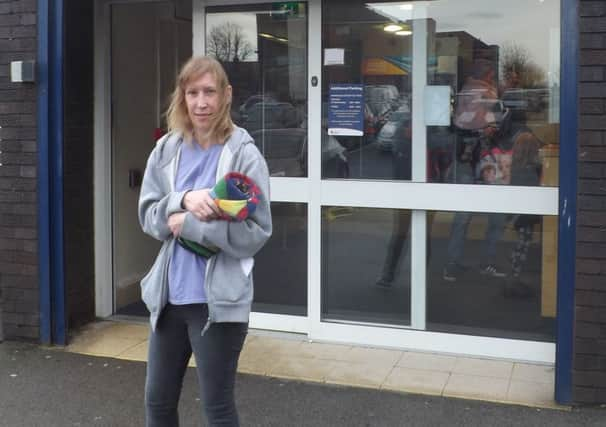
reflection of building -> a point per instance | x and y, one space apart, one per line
456 53
62 190
279 73
282 55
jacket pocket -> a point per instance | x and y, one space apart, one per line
232 279
151 284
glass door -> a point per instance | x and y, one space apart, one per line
397 216
437 189
372 257
263 48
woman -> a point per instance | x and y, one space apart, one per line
196 304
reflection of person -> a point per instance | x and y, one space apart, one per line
476 128
504 162
401 163
475 101
526 170
494 166
456 245
334 159
474 119
397 241
512 89
196 304
488 171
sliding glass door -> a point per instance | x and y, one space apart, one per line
413 148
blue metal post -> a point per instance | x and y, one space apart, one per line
56 172
568 200
50 172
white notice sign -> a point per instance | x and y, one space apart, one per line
334 56
437 105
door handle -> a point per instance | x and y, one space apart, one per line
134 178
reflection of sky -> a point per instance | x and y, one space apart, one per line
526 23
522 22
246 20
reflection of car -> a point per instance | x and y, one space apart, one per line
283 150
255 99
515 99
526 99
539 98
270 115
376 93
381 99
396 131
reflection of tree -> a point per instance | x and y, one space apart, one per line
518 68
227 43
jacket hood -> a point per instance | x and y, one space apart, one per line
238 138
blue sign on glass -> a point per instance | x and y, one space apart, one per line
346 109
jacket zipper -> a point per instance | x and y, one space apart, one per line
210 260
169 250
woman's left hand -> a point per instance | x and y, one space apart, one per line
175 223
201 204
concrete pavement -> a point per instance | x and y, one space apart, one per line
293 357
51 387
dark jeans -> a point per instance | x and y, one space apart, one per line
399 238
458 232
178 333
460 223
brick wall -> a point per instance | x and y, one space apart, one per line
18 230
589 374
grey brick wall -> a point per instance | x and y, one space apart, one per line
18 156
18 199
589 372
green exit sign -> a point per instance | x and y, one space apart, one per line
285 9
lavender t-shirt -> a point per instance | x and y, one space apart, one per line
197 170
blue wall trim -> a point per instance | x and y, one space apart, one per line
568 199
56 172
50 172
43 182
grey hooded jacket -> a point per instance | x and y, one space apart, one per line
228 279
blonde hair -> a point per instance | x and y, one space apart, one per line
177 117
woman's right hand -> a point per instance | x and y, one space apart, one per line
175 223
201 204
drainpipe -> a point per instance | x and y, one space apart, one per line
43 175
50 172
568 206
58 295
1 327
